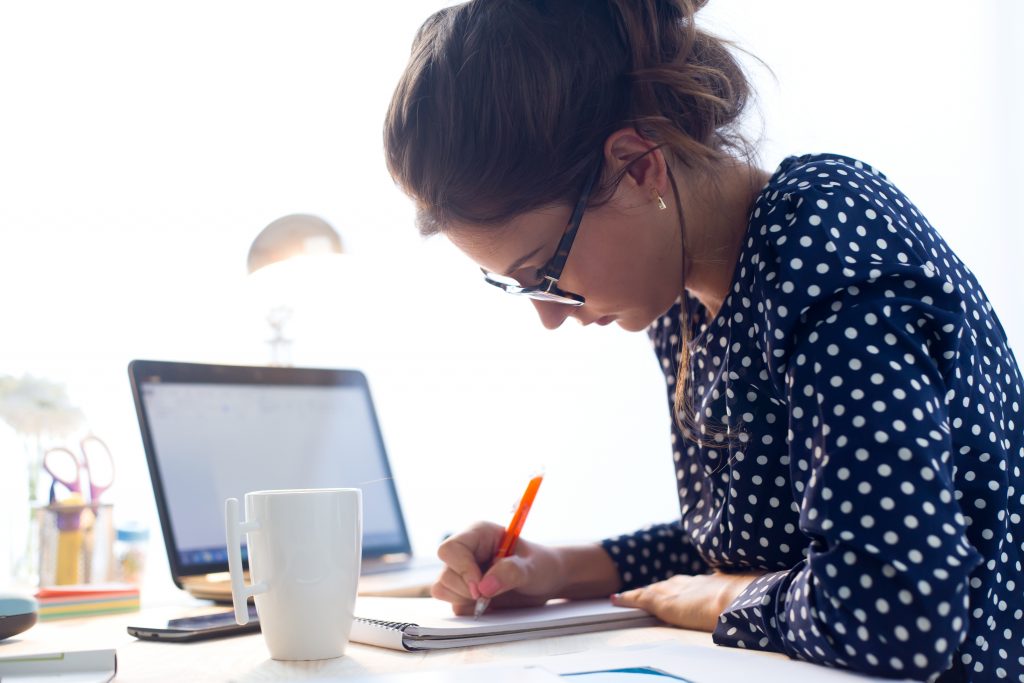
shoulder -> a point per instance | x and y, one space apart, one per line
817 192
815 170
829 232
825 223
835 205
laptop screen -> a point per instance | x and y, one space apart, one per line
217 432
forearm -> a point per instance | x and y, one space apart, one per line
587 572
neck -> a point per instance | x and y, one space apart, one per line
717 209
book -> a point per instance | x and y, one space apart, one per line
413 624
80 600
83 666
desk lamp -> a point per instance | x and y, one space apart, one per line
287 239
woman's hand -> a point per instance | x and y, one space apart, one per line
693 602
532 576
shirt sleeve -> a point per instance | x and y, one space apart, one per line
653 554
883 586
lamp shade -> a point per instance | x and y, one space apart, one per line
294 235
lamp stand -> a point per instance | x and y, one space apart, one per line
280 345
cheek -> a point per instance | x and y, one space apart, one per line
602 278
631 267
604 259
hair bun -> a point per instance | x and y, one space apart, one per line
681 5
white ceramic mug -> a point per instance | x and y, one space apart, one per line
305 548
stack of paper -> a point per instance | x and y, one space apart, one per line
80 600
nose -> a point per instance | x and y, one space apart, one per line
551 315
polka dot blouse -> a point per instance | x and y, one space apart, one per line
855 430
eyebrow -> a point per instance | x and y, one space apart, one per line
518 263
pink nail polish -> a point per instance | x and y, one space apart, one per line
489 586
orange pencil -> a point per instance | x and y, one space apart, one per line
515 527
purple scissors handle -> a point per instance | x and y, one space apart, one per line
66 468
59 462
94 448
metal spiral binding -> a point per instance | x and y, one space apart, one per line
390 625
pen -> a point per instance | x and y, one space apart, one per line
69 539
508 540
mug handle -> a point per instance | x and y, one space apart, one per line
240 593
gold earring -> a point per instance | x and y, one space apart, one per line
661 203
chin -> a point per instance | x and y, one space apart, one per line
631 325
640 320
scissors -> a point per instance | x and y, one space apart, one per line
66 468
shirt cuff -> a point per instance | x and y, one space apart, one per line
749 621
653 554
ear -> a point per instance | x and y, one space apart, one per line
646 169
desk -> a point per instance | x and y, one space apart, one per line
245 658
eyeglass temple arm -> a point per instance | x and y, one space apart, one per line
554 269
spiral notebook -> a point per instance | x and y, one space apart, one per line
412 624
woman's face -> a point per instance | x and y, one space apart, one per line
626 259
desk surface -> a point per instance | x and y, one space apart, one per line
245 658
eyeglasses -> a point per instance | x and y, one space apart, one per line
547 289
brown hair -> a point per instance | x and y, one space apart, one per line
505 105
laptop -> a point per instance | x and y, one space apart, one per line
213 432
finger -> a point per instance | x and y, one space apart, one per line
505 575
649 599
457 585
459 603
668 601
486 539
464 609
631 598
458 553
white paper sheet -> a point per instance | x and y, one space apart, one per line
690 663
702 665
464 674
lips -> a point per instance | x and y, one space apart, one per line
604 320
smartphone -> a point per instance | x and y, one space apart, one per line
187 629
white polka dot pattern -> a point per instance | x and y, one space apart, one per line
857 431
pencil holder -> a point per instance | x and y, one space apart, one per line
76 543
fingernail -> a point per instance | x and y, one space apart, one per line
489 586
474 591
616 597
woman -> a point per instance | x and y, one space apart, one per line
847 430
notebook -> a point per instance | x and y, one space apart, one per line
212 432
413 624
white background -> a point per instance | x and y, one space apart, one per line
144 145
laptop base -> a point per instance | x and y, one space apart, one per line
413 582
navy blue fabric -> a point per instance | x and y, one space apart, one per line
855 430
